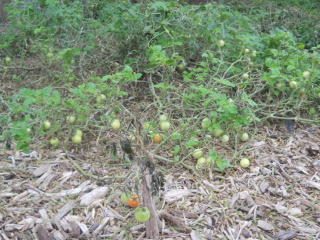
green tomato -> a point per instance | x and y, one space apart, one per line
115 124
76 139
210 160
254 53
164 126
306 74
208 137
71 119
201 161
197 153
293 84
50 55
244 162
142 214
195 142
163 117
78 133
247 50
101 98
54 141
28 130
225 138
245 76
318 95
46 124
244 137
220 43
217 132
124 197
205 124
7 59
279 85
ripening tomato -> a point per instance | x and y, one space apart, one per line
157 138
133 200
142 214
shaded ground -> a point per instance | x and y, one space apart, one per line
49 193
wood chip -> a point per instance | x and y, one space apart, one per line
42 233
41 170
93 196
285 235
176 195
265 226
44 215
176 221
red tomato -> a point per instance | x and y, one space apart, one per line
133 200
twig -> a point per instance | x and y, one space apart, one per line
76 165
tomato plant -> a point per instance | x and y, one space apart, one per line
142 214
133 200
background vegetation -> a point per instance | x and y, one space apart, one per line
236 64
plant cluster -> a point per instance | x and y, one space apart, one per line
210 67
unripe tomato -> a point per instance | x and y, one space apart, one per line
142 214
50 55
71 119
76 139
209 160
115 124
165 125
125 196
201 161
220 43
197 153
195 141
157 138
244 162
306 74
54 141
205 124
47 124
78 132
254 53
225 138
7 59
293 84
245 76
217 132
133 200
247 50
244 137
163 117
101 98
